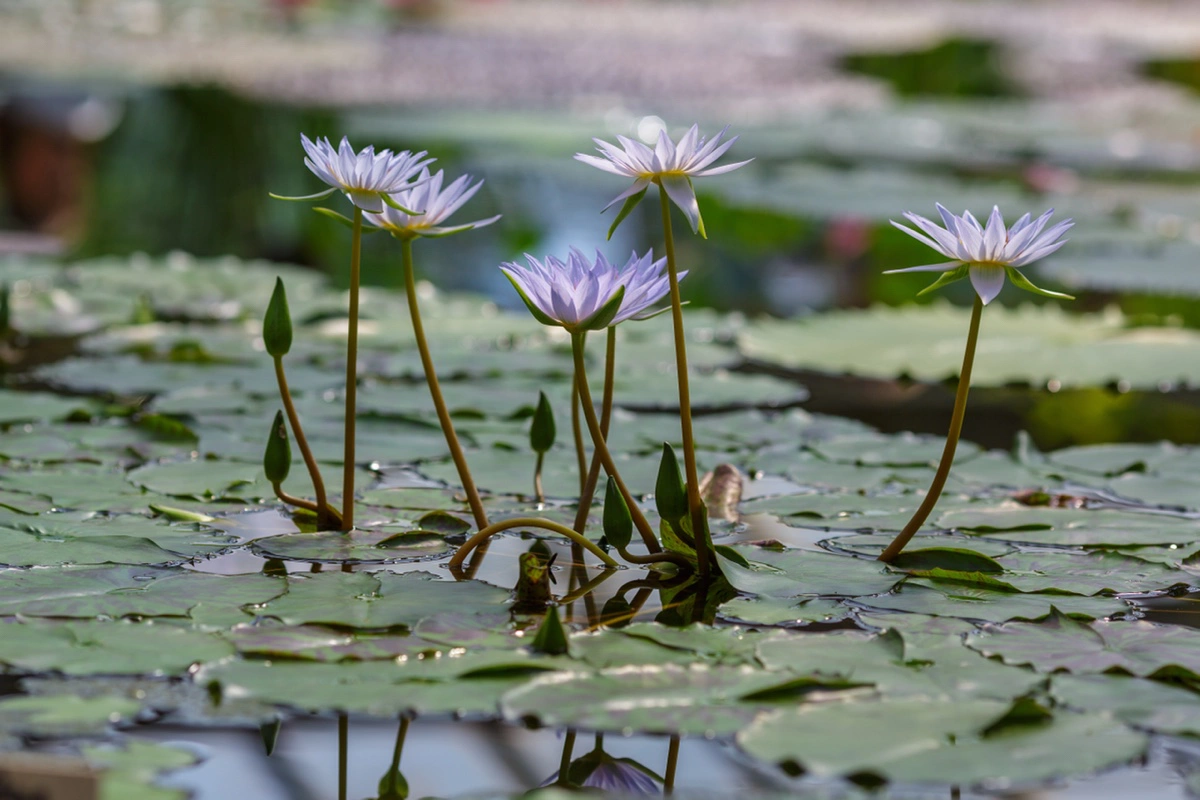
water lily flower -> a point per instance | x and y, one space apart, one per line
599 770
435 204
582 295
672 166
986 254
367 178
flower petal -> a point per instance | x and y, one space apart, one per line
988 280
680 190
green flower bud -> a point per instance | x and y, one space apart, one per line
542 431
618 524
551 638
277 323
670 495
277 459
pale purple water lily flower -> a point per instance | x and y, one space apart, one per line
435 204
583 295
668 164
365 177
986 254
611 774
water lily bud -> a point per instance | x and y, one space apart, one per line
542 431
618 524
277 323
670 495
270 733
393 786
551 638
277 459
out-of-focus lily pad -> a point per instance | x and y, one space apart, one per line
64 715
1031 344
106 648
922 741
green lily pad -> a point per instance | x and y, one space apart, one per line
107 648
919 596
378 600
356 547
1030 344
792 573
922 741
64 715
1135 647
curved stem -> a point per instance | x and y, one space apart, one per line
435 390
956 422
527 522
586 588
588 494
695 503
305 504
302 443
678 559
589 414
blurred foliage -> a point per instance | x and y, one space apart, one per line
1185 71
954 68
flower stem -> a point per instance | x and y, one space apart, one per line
695 503
538 493
435 390
577 432
325 512
672 763
333 515
956 422
527 522
400 736
588 493
343 753
352 374
589 414
565 762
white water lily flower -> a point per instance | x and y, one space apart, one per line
365 177
986 254
668 164
582 295
435 203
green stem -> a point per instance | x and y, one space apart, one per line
538 493
343 753
586 589
527 522
352 374
672 763
565 762
956 422
400 736
589 414
577 431
435 390
306 505
323 507
679 559
695 503
588 493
